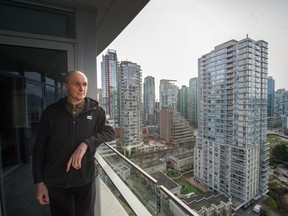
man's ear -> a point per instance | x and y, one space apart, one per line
65 86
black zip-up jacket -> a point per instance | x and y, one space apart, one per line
58 137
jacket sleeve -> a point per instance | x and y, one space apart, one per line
104 132
39 149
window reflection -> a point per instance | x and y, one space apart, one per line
34 101
50 94
24 96
33 75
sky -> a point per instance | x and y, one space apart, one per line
169 36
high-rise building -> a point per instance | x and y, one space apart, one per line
99 96
270 96
183 101
168 94
231 152
173 127
109 73
149 101
165 124
281 102
130 93
192 101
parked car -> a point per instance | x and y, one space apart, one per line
257 208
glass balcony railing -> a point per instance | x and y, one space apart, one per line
133 190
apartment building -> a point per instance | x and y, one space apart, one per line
270 94
168 94
130 105
183 101
192 101
231 155
153 166
281 102
183 162
173 127
147 148
165 124
109 73
149 115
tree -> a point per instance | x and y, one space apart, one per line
280 152
263 212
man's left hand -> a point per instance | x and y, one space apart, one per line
76 157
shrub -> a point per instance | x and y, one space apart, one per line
271 203
173 174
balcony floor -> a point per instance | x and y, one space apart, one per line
19 187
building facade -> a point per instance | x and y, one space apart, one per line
165 123
130 94
192 101
281 102
174 128
231 155
168 94
183 162
149 114
109 73
270 95
183 101
182 132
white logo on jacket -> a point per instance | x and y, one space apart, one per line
89 117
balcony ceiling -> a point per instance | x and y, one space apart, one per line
112 15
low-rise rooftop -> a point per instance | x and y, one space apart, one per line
206 200
164 180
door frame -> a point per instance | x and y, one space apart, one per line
39 41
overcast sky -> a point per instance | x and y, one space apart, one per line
168 36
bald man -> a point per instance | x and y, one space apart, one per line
69 133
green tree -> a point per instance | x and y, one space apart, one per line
280 152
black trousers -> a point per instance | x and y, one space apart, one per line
77 201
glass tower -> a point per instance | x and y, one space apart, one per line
168 94
281 102
270 102
183 101
149 101
192 101
130 93
109 73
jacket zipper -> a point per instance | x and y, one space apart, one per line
73 140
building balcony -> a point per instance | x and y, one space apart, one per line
122 189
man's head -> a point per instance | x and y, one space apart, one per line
76 84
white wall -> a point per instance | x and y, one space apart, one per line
85 50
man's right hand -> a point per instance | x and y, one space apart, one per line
42 193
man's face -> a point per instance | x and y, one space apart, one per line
77 86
